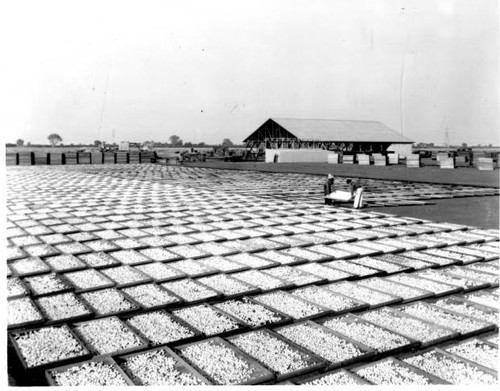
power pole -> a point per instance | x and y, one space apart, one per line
447 137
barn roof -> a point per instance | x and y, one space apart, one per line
328 130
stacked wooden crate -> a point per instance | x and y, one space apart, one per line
122 157
460 161
11 159
447 162
84 157
476 156
332 158
71 158
393 158
146 156
348 159
441 155
26 158
56 158
41 159
379 159
363 160
109 158
485 164
96 157
413 160
134 157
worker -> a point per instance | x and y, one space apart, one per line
356 193
328 188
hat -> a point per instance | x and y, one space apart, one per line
330 176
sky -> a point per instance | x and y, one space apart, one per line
206 70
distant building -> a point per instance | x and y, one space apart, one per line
346 136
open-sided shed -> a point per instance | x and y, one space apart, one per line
350 136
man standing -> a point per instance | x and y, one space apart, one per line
328 188
357 193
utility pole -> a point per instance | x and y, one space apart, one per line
447 137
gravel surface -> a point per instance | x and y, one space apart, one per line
48 345
369 334
107 335
107 301
442 317
46 283
326 298
219 362
15 287
97 373
340 378
478 352
450 369
288 304
392 373
414 328
63 306
274 353
189 290
150 295
207 320
87 279
360 293
159 327
157 368
21 311
327 345
251 313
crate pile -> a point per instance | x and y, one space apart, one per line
363 159
71 157
393 158
109 157
96 158
84 157
41 159
485 163
379 159
56 158
447 162
121 281
11 159
122 157
413 160
348 159
26 158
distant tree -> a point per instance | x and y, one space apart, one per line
28 143
175 141
464 145
227 143
188 144
20 142
202 144
97 143
490 145
54 139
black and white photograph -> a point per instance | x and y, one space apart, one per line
250 192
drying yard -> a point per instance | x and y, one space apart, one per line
143 274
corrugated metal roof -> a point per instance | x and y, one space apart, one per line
340 130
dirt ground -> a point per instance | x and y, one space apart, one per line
482 212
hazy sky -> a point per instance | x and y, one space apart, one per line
206 70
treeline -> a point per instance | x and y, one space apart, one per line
175 141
